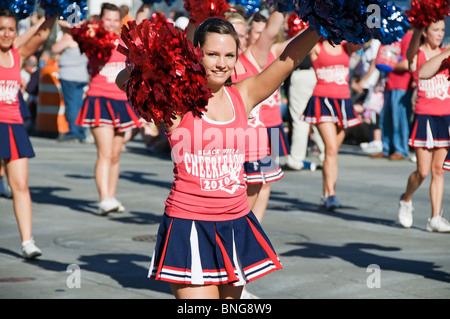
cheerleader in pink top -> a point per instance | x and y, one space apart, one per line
15 146
261 167
209 242
108 113
430 130
330 108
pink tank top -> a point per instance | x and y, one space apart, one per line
9 89
208 166
103 84
258 147
270 108
433 95
332 72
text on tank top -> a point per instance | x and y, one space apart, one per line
208 161
332 72
433 95
10 80
103 84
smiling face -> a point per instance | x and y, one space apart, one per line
111 20
8 32
434 33
220 56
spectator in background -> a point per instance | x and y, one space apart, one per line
395 117
73 76
365 79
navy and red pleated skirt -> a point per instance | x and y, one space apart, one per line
338 111
428 131
14 142
101 111
196 252
265 170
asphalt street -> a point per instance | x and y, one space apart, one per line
358 251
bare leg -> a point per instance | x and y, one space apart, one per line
424 159
17 173
437 181
109 145
258 197
332 138
205 292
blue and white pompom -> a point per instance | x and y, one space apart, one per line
390 25
336 20
21 8
74 10
352 20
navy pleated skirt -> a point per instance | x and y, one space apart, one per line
101 111
338 111
447 162
428 131
14 142
196 252
265 170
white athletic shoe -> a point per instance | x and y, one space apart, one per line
438 224
106 206
120 208
405 216
30 250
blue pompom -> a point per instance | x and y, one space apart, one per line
282 5
169 2
390 26
336 20
356 21
73 10
21 8
250 6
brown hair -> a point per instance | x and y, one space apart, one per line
215 25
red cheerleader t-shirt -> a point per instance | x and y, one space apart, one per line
433 95
332 72
208 161
103 84
9 89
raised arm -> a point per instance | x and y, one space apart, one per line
413 49
35 41
433 65
273 76
28 34
261 48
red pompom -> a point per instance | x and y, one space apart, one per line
200 10
97 43
295 25
167 78
446 65
424 12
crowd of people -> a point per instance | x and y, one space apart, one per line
335 94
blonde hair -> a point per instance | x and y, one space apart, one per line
235 18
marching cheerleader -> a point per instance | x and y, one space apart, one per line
260 168
209 242
330 109
430 134
15 146
108 113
